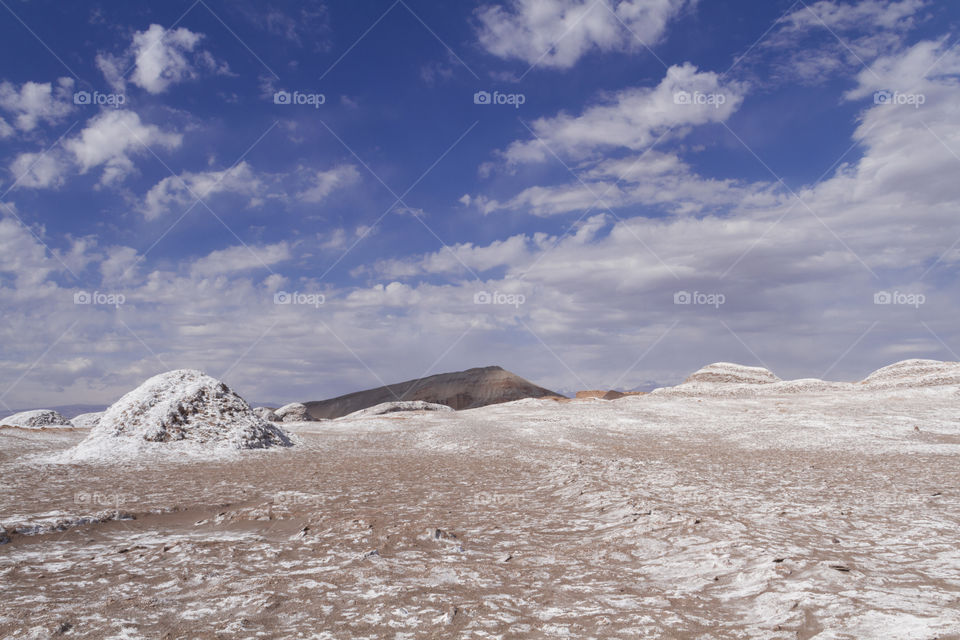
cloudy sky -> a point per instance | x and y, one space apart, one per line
325 196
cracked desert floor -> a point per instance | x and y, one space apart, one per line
792 516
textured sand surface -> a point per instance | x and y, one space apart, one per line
799 515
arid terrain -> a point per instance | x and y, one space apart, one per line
789 514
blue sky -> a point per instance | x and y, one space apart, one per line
786 164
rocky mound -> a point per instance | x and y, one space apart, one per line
87 420
460 390
914 374
394 407
293 412
729 373
183 409
267 414
36 419
725 379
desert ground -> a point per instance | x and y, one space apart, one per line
794 515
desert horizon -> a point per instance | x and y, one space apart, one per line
734 504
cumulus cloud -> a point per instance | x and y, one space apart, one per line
110 138
557 33
39 170
159 58
181 191
35 102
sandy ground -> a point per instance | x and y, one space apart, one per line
645 517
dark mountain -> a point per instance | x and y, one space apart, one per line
461 390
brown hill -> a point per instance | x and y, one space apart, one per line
461 390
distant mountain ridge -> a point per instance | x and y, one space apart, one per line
468 389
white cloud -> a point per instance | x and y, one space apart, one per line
599 297
181 191
609 148
111 137
323 183
884 14
24 259
159 58
818 41
339 239
242 258
557 33
119 264
35 102
633 118
38 170
302 185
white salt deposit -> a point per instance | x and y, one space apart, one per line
184 411
293 412
727 380
267 414
729 373
915 374
400 405
87 420
36 419
724 378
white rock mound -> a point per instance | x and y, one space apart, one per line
293 412
401 405
184 411
267 414
723 379
87 420
36 419
914 374
729 373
